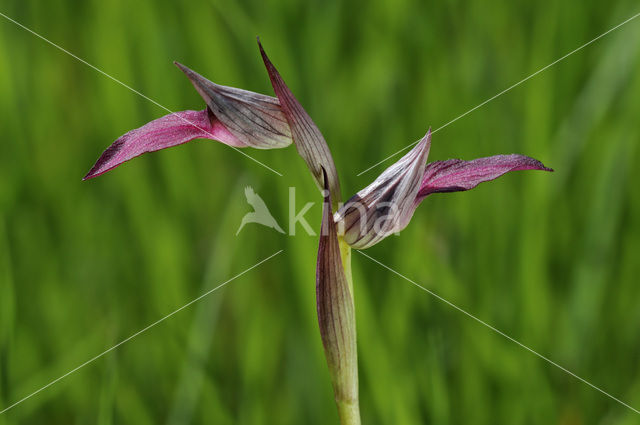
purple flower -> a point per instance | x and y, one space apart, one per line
387 205
240 118
233 116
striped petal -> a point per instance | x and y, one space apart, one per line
308 140
233 116
254 119
387 204
456 175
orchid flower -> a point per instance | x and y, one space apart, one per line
240 118
387 205
235 117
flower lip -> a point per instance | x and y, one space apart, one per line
171 130
456 175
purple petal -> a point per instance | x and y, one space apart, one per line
387 204
170 130
455 175
336 316
308 140
254 119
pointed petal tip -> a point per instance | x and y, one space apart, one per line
94 172
422 147
426 139
89 175
271 69
188 71
199 82
181 67
534 164
423 143
265 58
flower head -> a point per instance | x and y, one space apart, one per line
387 205
235 117
240 118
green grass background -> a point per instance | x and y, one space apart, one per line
550 259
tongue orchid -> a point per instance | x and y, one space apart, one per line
240 119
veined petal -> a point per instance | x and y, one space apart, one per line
336 316
170 130
455 175
308 140
387 204
254 119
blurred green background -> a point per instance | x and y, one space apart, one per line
550 259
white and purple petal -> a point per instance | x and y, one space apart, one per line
387 204
254 119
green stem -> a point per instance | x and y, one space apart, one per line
347 401
345 253
348 412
